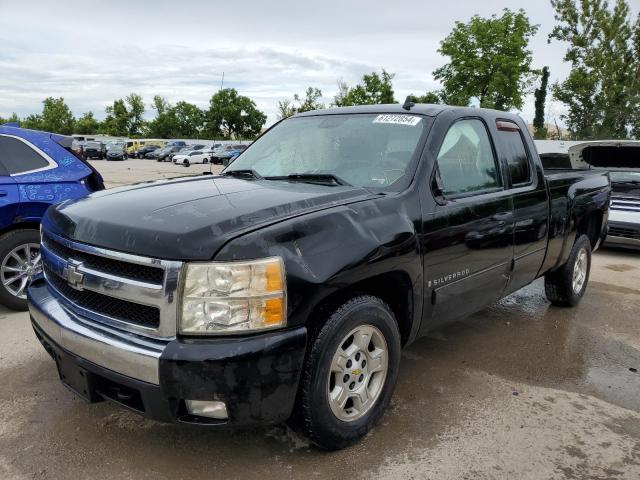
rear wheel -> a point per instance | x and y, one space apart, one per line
565 287
19 264
350 373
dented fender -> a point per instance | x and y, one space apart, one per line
330 250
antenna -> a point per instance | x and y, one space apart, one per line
408 103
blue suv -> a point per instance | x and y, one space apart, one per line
37 170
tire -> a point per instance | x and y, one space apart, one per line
186 163
315 414
8 243
206 160
559 285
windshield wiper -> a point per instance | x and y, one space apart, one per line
243 173
312 177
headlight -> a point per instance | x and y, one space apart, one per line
229 297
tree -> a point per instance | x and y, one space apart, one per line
117 119
540 94
286 109
233 116
32 122
189 120
635 86
311 101
56 116
87 124
599 91
343 90
429 97
374 89
13 118
489 59
136 112
165 125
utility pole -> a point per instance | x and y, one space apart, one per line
222 81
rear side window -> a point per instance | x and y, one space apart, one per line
516 154
17 157
466 163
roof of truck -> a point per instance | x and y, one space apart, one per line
430 110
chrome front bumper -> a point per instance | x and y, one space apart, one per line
114 350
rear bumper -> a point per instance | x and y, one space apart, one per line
256 376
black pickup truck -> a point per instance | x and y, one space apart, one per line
285 287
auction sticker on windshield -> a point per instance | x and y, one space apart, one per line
395 119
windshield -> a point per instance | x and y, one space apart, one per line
625 177
92 145
365 150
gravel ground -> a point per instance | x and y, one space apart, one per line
520 390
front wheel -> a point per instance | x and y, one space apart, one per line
19 265
350 373
186 163
565 287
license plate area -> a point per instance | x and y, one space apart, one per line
77 379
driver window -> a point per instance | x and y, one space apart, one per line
466 163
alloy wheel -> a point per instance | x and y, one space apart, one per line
19 267
580 271
358 373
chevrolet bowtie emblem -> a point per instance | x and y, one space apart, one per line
73 276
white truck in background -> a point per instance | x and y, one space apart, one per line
622 159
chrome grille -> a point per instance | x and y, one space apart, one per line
130 292
616 231
625 204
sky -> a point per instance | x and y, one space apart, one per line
93 52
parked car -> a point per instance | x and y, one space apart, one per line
183 150
154 153
163 154
117 151
144 150
132 146
289 283
193 156
94 149
37 170
227 152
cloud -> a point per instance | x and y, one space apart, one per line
92 52
91 82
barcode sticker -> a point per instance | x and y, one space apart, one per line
398 119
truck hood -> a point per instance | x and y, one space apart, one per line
188 218
606 154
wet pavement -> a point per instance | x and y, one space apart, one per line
520 390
